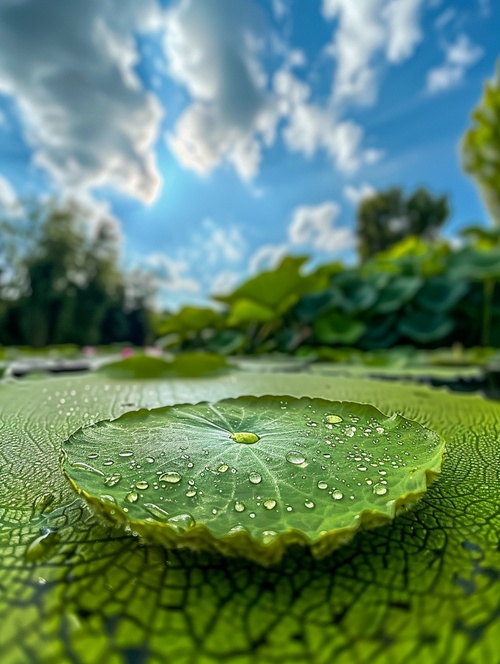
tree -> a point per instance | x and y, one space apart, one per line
61 280
481 147
389 216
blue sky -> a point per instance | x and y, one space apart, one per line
222 134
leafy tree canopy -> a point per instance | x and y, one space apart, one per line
481 147
390 216
60 280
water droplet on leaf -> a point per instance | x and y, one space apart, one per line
295 458
171 477
245 437
112 480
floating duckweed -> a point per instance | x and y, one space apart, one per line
255 478
245 437
171 477
269 504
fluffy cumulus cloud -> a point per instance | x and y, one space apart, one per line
369 32
267 257
171 275
69 66
310 127
8 196
357 194
224 282
460 56
213 246
313 226
213 50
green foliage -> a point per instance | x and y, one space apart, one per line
251 476
194 364
481 147
416 292
62 282
424 587
389 216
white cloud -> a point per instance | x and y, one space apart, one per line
224 282
216 245
280 9
459 57
313 226
8 197
70 69
170 274
357 194
403 28
213 50
445 17
310 128
484 8
367 32
267 257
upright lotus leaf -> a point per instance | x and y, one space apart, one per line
337 328
441 293
191 320
277 289
248 311
250 476
226 342
424 327
474 263
312 305
381 331
358 292
397 292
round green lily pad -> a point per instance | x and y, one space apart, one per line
251 476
